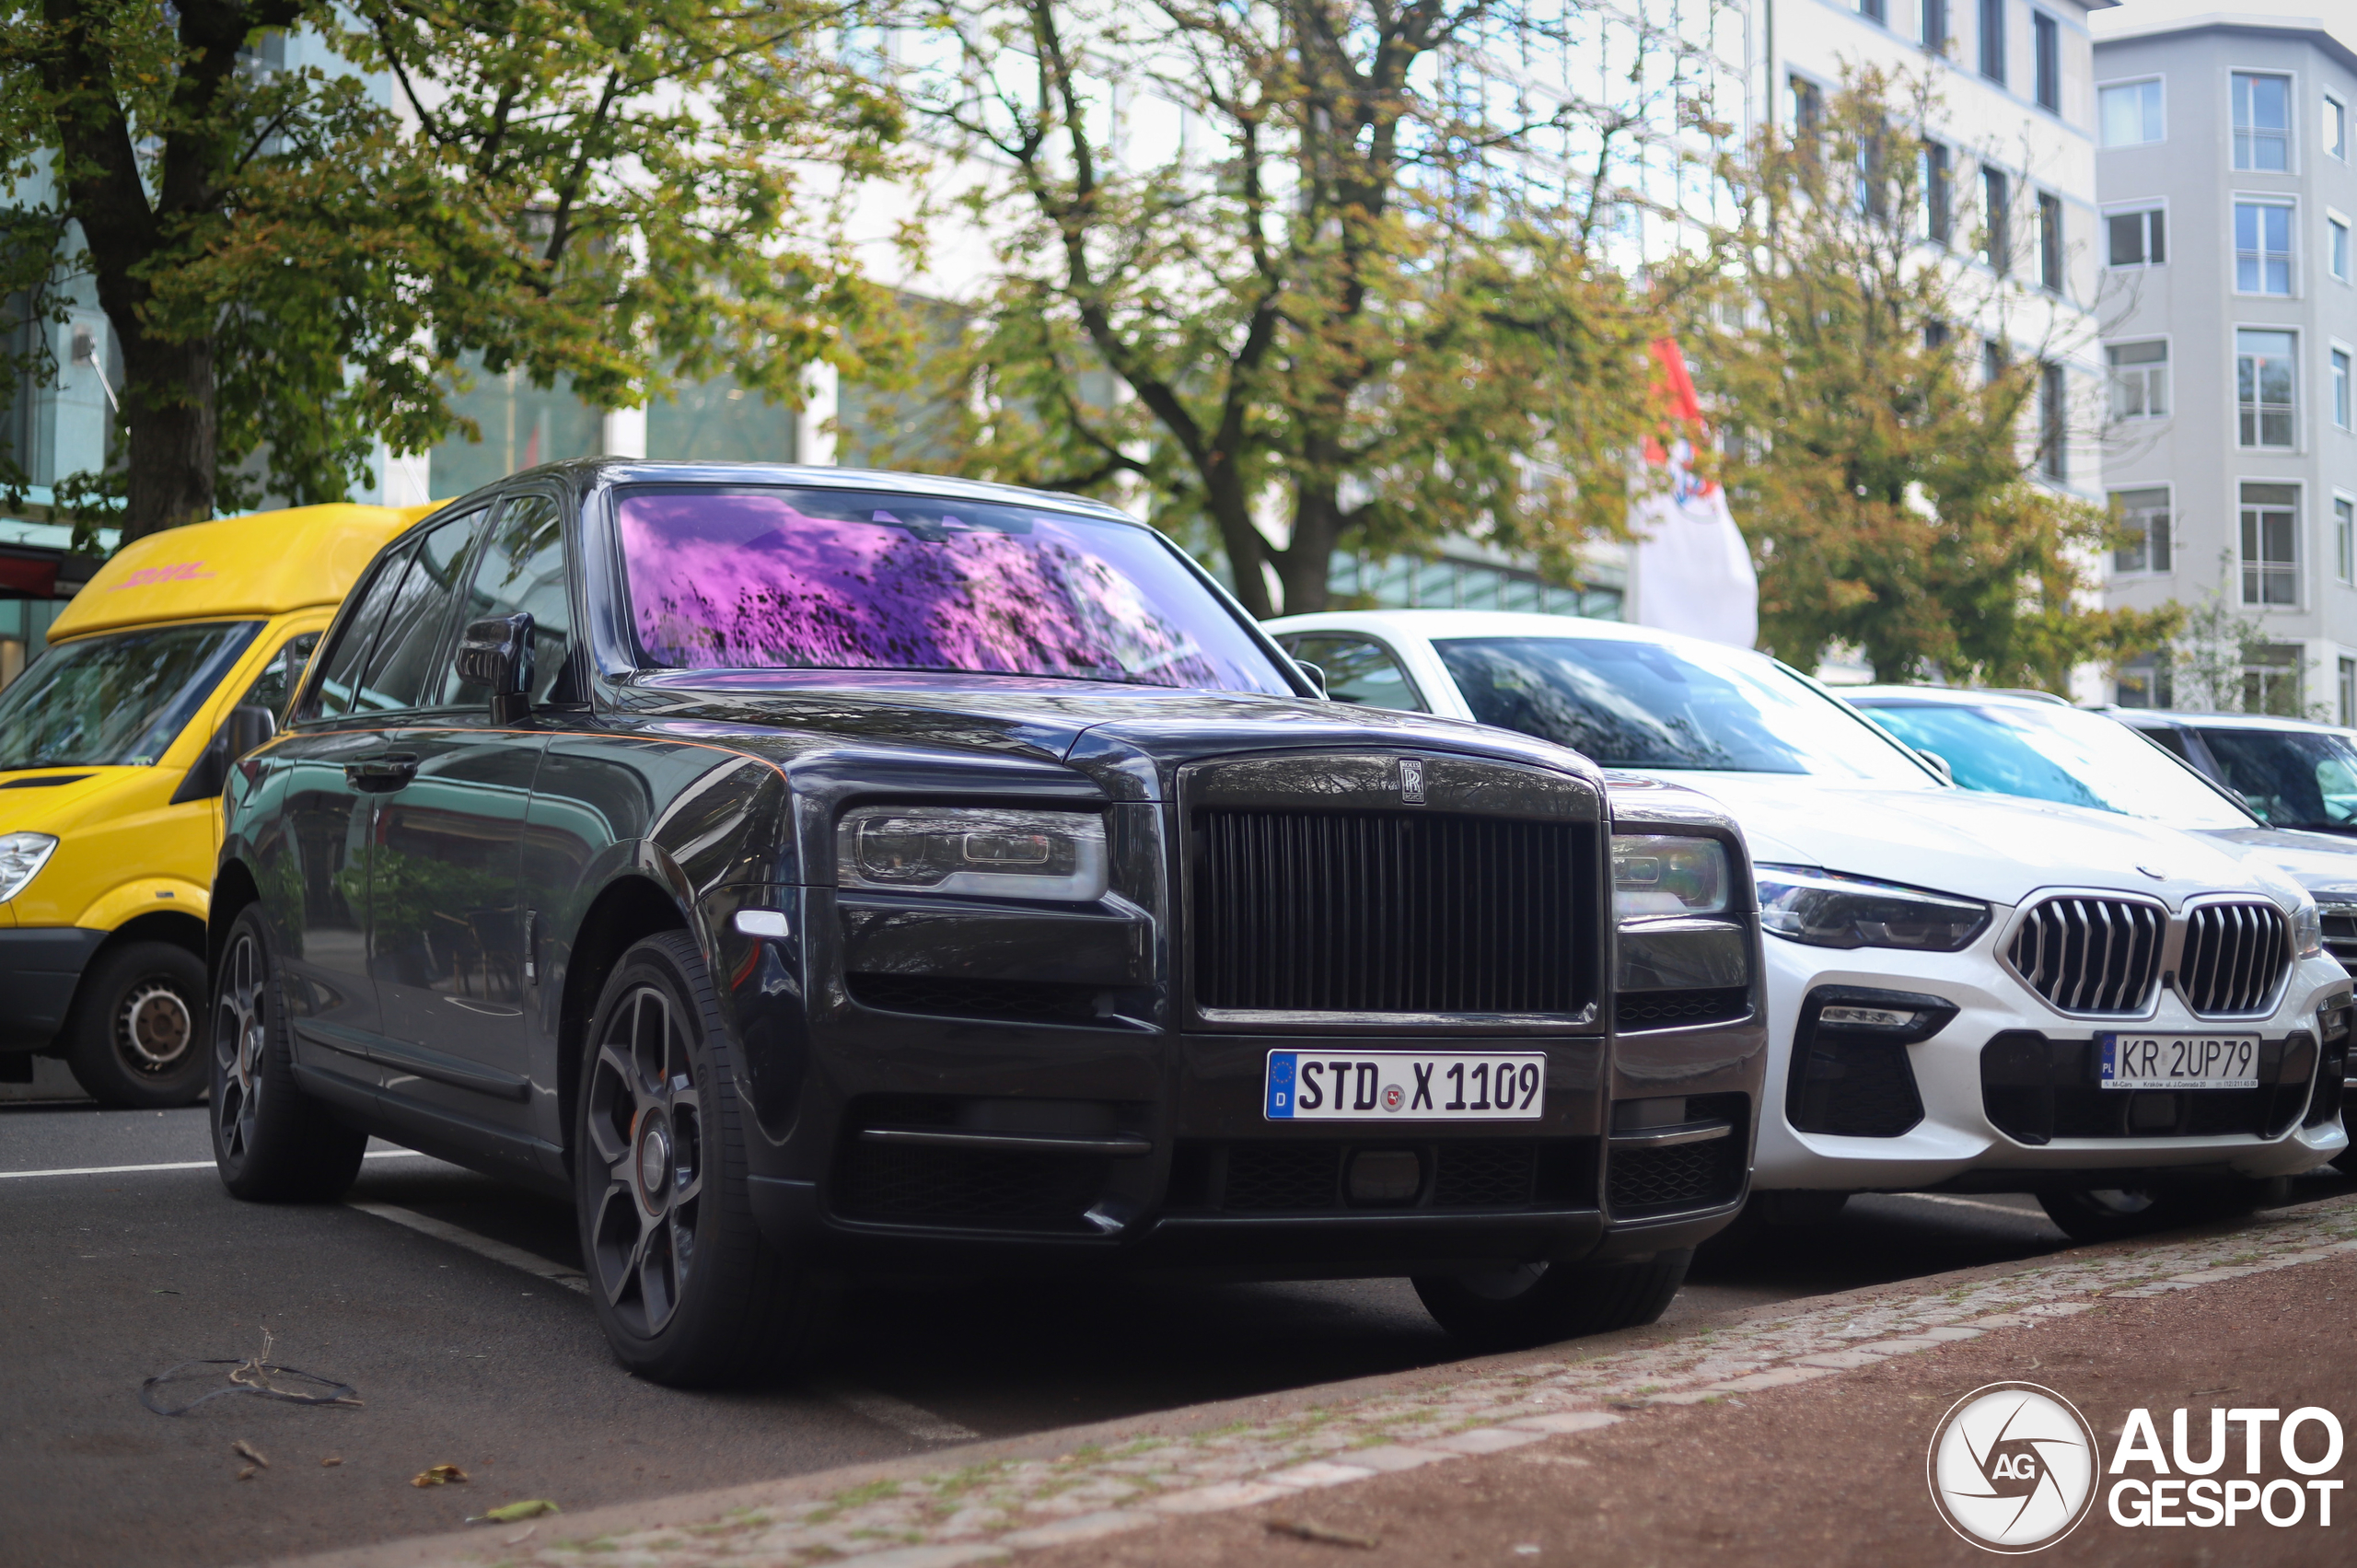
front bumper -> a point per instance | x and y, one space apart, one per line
1978 1080
39 967
1107 1141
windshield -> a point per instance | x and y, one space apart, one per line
2292 778
1636 704
115 700
2058 753
802 579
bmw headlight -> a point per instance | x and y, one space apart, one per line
1825 910
21 857
1008 854
1661 874
2308 930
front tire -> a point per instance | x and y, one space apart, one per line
136 1038
687 1290
272 1143
1539 1303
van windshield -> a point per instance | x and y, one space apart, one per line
807 579
115 700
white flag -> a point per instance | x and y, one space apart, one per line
1693 571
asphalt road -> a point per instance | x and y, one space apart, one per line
486 1362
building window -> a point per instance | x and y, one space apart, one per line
1935 25
2146 682
2348 692
2048 36
2262 122
2341 388
2053 422
2271 682
1808 106
2263 384
2049 241
2336 248
1995 198
2144 530
2270 563
2344 541
1939 202
2262 248
1936 335
2336 127
2131 113
1993 361
2135 240
2139 380
1992 39
1871 10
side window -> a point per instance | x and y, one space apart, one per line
276 682
1358 670
523 570
331 698
2170 740
403 671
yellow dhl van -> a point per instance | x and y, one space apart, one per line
172 663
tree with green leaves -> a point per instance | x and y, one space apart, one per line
1885 477
614 192
1297 272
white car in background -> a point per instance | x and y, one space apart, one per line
1966 991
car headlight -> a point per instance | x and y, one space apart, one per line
2308 930
1008 854
21 857
1661 874
1825 910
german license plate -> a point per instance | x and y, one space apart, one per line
2179 1061
1382 1085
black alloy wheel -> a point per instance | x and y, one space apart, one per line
687 1290
271 1142
1539 1303
136 1038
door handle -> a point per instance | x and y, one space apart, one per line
382 773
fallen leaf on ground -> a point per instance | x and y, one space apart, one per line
250 1452
437 1475
330 1461
1302 1530
509 1513
247 1473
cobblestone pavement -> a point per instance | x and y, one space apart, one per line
997 1508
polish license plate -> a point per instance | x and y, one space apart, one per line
1405 1085
2179 1061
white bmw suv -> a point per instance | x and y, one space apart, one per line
1966 991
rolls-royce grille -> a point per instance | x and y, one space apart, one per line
2090 955
1373 911
2234 957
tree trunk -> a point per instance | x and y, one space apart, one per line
1307 560
168 405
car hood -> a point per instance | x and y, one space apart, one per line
1999 848
1129 739
2318 862
49 800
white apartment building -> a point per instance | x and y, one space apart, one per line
2230 324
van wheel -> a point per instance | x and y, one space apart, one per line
272 1142
1539 1303
136 1038
689 1291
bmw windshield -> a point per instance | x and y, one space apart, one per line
1628 703
817 579
2058 753
115 700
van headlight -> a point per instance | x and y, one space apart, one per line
1662 874
21 857
1825 910
1006 854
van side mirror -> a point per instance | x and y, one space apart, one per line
497 653
248 728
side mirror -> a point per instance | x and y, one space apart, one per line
497 653
246 730
1937 763
1316 673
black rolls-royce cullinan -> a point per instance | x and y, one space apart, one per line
811 872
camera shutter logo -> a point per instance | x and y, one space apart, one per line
2012 1467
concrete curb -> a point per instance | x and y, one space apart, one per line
982 1500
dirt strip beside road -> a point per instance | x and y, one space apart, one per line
1436 1450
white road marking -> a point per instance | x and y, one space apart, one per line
182 1165
480 1245
898 1414
2038 1214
